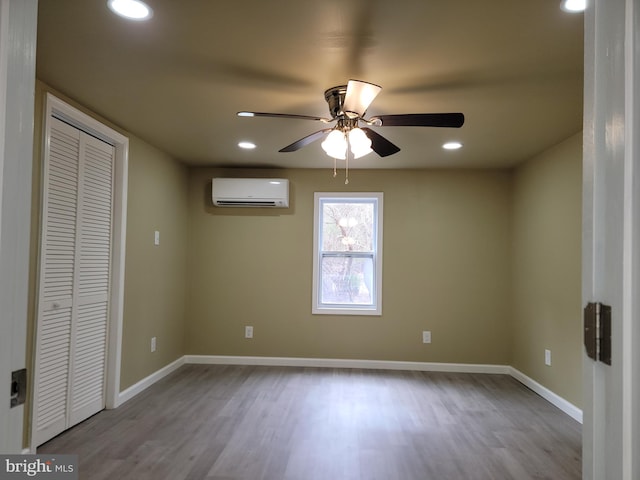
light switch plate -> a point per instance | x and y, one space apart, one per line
156 238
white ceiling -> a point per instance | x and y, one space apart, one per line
513 67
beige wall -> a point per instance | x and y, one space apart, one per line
547 268
155 277
446 269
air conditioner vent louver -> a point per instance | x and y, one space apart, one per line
247 203
250 192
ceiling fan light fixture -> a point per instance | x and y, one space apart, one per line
131 9
335 145
359 142
347 106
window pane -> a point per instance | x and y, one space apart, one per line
347 253
347 281
347 227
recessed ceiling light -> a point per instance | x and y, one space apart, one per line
452 146
247 145
573 6
131 9
246 114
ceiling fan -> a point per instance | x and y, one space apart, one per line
347 106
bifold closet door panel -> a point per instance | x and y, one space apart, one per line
57 271
93 278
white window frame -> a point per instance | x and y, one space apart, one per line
332 309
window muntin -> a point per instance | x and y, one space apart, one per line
347 253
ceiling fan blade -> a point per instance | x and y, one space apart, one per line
284 115
303 142
451 120
379 144
358 97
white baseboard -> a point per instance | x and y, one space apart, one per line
564 405
146 382
567 407
346 363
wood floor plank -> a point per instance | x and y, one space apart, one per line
222 422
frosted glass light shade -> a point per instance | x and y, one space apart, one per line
360 143
358 98
335 145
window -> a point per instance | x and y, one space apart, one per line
347 254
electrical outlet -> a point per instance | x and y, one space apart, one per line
547 357
248 332
426 336
153 344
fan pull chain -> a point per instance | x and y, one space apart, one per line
346 174
335 170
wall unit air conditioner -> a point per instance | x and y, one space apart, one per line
250 192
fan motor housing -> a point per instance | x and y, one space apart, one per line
335 98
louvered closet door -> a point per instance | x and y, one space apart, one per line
74 283
57 280
93 260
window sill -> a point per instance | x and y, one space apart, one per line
347 311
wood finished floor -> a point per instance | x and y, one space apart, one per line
219 422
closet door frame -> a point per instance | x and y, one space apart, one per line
54 107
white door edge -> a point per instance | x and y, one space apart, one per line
611 235
18 21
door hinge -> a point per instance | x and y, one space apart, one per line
18 387
597 332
